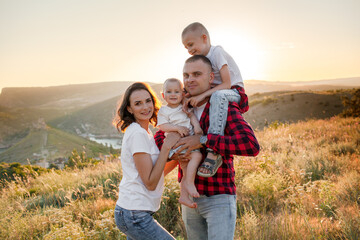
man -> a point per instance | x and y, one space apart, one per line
215 215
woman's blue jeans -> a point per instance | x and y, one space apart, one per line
140 225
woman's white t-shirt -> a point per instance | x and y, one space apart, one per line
133 195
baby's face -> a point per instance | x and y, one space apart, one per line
195 43
173 94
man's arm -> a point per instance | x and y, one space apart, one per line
239 137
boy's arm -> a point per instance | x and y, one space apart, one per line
226 84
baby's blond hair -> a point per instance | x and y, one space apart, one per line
173 80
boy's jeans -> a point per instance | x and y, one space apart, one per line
139 225
219 105
214 218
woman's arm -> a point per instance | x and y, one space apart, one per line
150 174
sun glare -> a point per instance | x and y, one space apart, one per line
245 52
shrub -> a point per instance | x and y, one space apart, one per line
352 105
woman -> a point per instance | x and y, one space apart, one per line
143 165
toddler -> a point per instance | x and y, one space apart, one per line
171 118
227 86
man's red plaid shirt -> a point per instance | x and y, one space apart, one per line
239 139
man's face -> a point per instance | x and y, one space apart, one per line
197 77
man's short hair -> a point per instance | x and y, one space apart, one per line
195 27
199 58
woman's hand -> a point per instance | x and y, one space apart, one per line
171 139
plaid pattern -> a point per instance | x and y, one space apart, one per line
239 139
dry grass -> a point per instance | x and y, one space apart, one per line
305 184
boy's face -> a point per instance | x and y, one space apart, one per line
173 94
196 44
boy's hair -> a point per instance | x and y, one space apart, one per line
200 58
173 80
195 27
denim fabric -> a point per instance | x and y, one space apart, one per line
219 104
214 218
138 225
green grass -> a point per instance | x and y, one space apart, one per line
304 184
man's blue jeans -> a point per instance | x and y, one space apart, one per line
214 218
138 225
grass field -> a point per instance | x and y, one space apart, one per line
304 184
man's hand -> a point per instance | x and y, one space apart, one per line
189 143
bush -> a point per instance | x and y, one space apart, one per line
80 161
352 105
15 171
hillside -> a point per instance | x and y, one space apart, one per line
289 106
15 123
95 119
45 143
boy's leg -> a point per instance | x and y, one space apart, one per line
219 104
218 112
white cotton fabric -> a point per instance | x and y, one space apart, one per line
218 58
174 116
133 195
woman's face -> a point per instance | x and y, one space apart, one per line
141 106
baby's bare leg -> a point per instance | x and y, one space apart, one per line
184 194
191 172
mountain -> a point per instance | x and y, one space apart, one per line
81 95
67 96
257 86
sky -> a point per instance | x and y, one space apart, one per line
61 42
